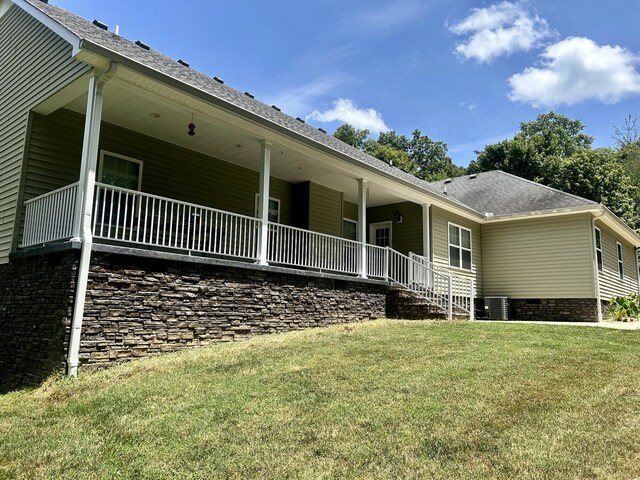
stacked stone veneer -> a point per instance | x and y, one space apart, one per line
556 309
136 306
36 302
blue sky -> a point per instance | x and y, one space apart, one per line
464 72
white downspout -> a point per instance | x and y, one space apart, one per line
84 214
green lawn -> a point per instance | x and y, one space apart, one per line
384 399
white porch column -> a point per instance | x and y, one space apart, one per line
426 233
84 210
263 201
362 225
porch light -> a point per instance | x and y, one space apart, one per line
398 216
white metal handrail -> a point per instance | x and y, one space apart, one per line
49 217
377 262
135 217
441 287
302 248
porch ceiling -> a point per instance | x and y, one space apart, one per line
142 111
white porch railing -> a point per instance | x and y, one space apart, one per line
49 217
134 217
302 248
438 285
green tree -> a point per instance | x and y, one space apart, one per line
600 175
351 135
627 142
537 151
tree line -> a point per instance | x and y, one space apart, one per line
552 149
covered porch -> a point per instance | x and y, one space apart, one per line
112 161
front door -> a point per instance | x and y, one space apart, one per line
380 234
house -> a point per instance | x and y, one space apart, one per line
146 207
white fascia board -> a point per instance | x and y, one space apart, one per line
48 22
542 214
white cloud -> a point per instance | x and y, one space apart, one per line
499 29
344 110
298 100
575 70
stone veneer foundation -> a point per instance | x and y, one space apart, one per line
141 306
556 309
36 305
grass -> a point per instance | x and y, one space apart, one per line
384 399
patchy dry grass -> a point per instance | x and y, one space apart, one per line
384 399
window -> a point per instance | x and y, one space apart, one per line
459 247
120 171
620 266
598 240
349 229
380 234
274 209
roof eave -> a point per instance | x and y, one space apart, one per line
50 23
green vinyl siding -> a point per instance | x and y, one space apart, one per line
318 208
34 64
406 236
539 258
325 210
168 170
440 220
350 211
609 279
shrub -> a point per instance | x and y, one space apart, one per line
625 309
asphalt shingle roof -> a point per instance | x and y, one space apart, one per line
501 193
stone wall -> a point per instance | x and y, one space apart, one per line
555 309
141 306
36 303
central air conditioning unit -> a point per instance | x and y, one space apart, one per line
497 308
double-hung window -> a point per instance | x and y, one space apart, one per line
598 240
120 171
620 265
459 247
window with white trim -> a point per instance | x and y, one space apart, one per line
459 247
120 171
620 264
349 229
598 241
274 209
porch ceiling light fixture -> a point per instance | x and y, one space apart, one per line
192 128
398 216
